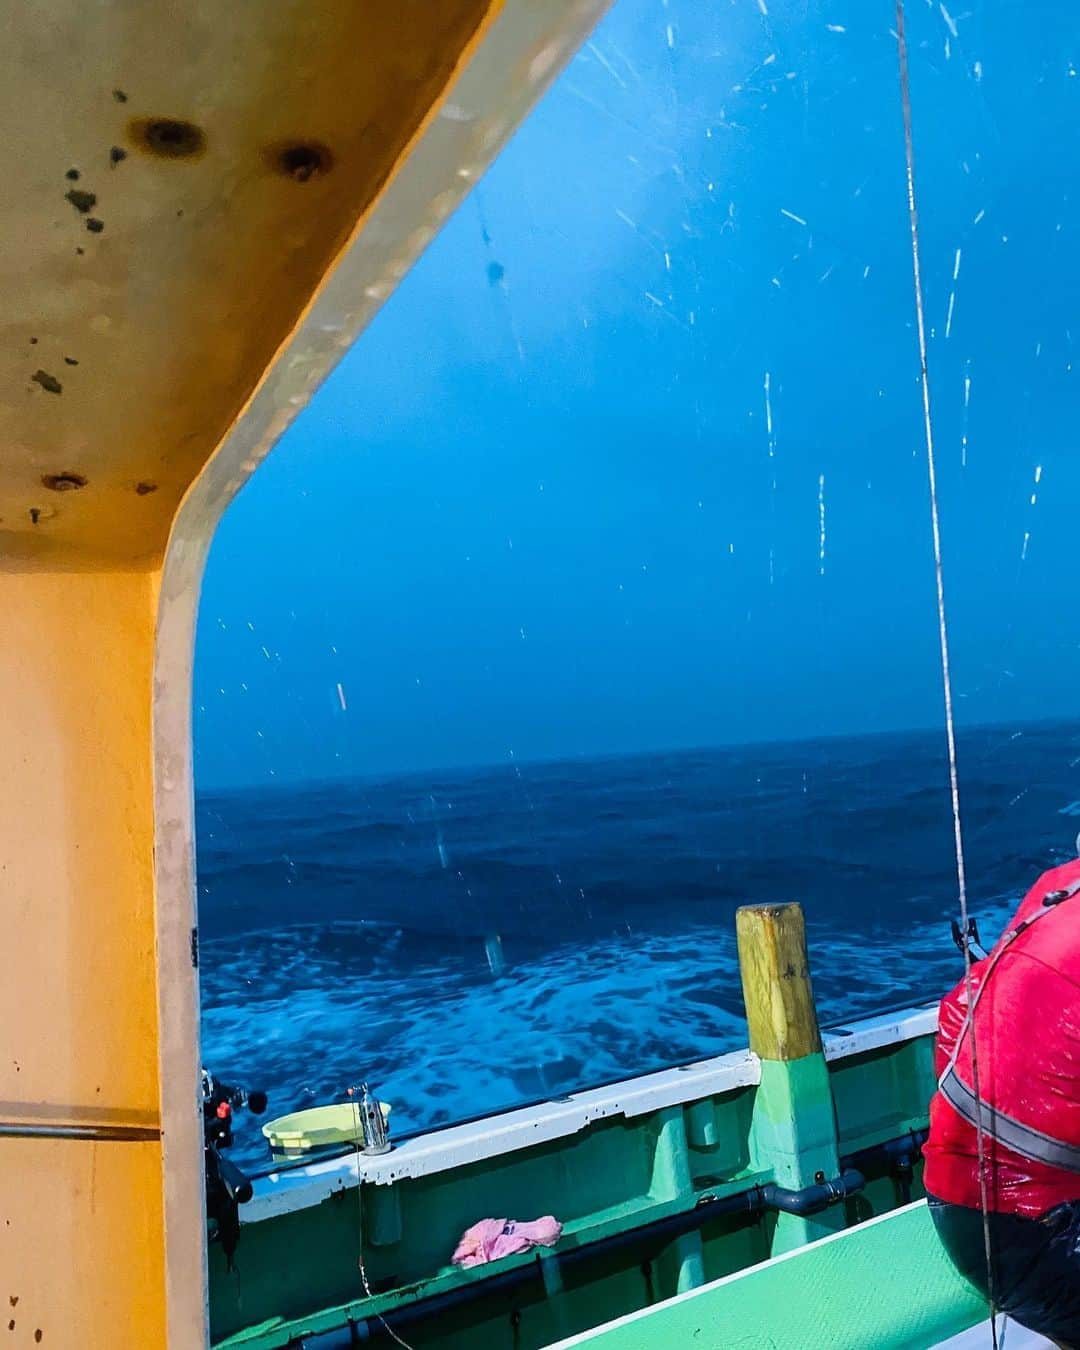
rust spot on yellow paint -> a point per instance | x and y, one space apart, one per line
144 488
300 160
47 381
168 137
63 482
82 201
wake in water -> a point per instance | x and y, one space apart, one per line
470 941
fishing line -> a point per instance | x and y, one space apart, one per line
943 640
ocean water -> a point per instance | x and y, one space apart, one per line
466 940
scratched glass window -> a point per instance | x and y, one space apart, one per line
594 595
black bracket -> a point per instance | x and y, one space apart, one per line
969 940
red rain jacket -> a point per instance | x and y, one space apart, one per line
1027 1030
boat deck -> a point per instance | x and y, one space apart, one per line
886 1282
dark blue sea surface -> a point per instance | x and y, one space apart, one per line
470 939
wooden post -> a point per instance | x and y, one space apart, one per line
794 1128
776 981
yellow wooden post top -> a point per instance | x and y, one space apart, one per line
776 984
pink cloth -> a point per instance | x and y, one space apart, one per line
490 1239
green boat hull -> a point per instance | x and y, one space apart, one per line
659 1183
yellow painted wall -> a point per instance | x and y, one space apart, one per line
78 996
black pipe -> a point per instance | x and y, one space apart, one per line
899 1155
907 1148
813 1199
804 1201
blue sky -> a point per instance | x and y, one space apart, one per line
538 509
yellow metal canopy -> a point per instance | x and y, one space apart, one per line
202 206
176 181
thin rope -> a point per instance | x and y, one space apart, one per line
943 639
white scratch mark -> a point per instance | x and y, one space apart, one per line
792 216
1038 474
821 523
866 271
950 22
956 266
607 65
978 217
1024 548
967 403
670 38
768 416
836 28
776 282
626 219
763 8
341 697
625 60
827 273
948 317
976 70
655 299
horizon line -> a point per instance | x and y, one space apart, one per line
479 766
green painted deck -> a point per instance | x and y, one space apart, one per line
885 1283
